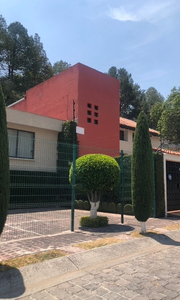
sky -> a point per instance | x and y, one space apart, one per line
142 36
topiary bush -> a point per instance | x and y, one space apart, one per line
76 203
86 205
128 209
95 174
94 222
142 172
104 207
119 208
112 207
80 204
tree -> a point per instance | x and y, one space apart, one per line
23 61
169 122
131 96
152 98
60 66
155 114
142 172
4 164
95 174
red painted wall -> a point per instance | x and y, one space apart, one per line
86 86
102 92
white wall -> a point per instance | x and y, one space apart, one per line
45 147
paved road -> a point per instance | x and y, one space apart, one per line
32 232
144 269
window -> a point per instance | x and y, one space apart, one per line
89 105
96 114
89 112
96 122
133 137
121 135
95 107
89 120
21 144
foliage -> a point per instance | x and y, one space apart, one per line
60 66
104 207
95 173
131 96
142 171
128 209
4 164
86 205
112 207
119 208
169 122
155 115
152 98
23 61
94 223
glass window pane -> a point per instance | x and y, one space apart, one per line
25 144
12 136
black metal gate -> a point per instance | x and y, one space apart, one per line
173 185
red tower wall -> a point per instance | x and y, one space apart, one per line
86 86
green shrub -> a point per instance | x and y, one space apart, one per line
94 223
105 206
80 204
4 164
128 209
76 203
119 208
112 207
86 205
142 171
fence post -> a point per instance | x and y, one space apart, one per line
73 188
154 185
122 188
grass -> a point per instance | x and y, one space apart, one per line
173 227
30 259
99 243
138 234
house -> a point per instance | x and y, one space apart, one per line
96 110
127 130
32 141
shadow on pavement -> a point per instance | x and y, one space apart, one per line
163 239
110 228
11 282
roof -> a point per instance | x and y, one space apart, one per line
131 125
167 151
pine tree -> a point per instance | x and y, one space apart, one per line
4 164
142 172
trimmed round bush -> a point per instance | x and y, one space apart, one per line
86 205
76 203
105 206
112 207
128 209
119 208
93 223
79 204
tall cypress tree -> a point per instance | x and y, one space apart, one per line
142 172
4 164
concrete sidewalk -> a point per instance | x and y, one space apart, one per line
140 269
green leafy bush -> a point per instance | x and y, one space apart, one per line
104 207
119 208
128 209
76 203
80 204
112 207
86 205
94 223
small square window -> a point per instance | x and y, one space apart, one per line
121 135
89 120
89 112
96 122
95 107
96 114
89 105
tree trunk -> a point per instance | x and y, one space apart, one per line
143 227
94 208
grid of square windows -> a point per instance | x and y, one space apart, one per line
92 113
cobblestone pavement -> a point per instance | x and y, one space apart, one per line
27 233
146 277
